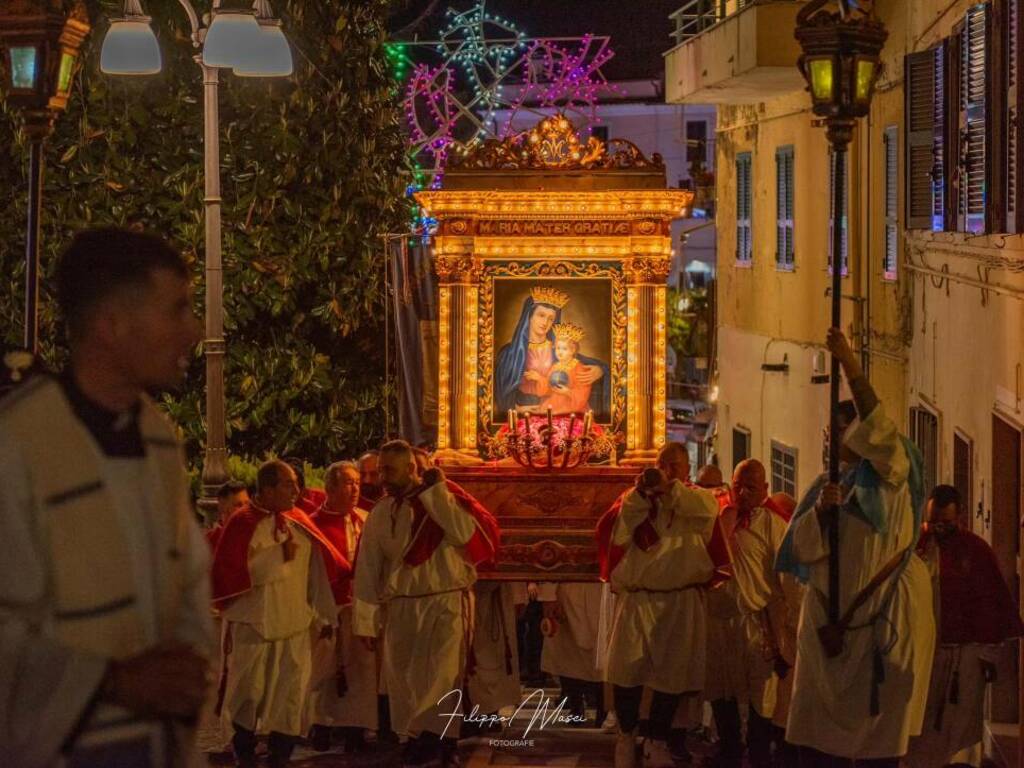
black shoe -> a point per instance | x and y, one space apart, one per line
677 746
450 754
243 744
320 738
355 741
281 746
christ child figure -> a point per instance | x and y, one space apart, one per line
566 392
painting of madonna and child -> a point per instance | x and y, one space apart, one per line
554 342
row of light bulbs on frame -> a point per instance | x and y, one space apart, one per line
248 41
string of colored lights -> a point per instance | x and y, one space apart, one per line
481 65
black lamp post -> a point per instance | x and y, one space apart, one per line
841 63
40 42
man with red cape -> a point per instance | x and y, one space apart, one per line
974 612
343 691
273 573
655 547
417 561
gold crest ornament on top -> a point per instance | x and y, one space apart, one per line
552 144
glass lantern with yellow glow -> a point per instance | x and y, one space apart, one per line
841 57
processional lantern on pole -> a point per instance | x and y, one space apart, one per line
40 42
842 41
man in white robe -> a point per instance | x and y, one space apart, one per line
494 679
418 558
754 535
272 579
658 561
571 653
866 702
343 689
105 626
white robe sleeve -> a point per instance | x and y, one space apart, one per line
459 526
635 509
809 542
319 593
876 439
370 563
45 687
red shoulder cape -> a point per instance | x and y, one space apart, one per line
310 500
427 534
975 605
213 536
644 536
333 527
231 558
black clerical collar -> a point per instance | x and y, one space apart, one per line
118 434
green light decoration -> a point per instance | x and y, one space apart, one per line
67 64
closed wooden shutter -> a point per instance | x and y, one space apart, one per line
1013 170
891 256
744 207
974 149
784 253
963 464
925 157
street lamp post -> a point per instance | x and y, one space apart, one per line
841 62
250 43
41 42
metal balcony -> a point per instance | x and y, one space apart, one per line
733 52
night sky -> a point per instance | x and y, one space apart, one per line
639 29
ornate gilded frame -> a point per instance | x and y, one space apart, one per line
550 270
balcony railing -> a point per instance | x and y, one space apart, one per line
698 15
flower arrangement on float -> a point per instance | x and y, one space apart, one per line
549 442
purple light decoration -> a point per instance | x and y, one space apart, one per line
542 74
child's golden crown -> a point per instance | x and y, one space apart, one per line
569 331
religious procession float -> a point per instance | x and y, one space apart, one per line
552 256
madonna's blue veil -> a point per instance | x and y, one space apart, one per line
508 372
512 362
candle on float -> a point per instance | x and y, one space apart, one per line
511 420
588 417
551 438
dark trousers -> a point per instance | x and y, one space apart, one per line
531 641
730 728
663 710
812 758
760 733
579 693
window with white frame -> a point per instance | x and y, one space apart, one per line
783 468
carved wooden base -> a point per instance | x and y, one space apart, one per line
547 519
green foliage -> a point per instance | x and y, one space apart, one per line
687 321
311 176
